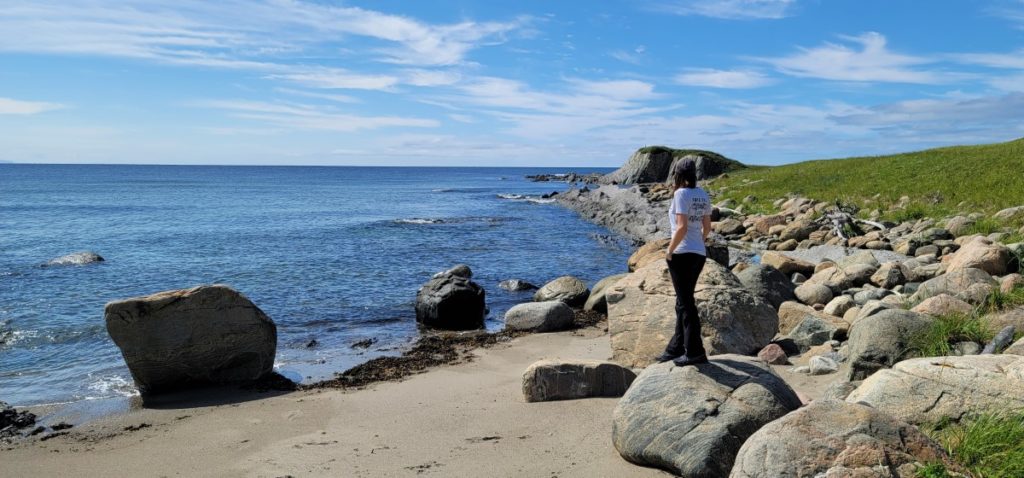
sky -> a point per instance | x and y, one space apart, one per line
524 83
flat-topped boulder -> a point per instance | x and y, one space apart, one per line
641 314
832 438
981 253
548 380
692 420
927 390
184 338
548 316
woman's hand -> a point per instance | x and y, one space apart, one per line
668 256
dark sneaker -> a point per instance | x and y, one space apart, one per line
684 361
665 357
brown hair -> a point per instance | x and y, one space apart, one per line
684 174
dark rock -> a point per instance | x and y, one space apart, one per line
880 340
516 285
767 283
183 338
1000 341
451 302
12 420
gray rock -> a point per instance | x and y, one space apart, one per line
539 316
814 331
868 295
927 390
548 380
596 300
567 289
461 270
516 285
880 340
76 259
839 305
767 283
451 302
966 348
836 439
839 390
1000 341
821 365
1010 213
970 285
812 293
889 275
1016 349
184 338
692 421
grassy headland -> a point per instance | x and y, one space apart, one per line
939 182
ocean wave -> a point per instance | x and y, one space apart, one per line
511 196
459 190
541 200
525 198
105 386
419 220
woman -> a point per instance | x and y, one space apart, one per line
690 218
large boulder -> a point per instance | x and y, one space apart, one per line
971 285
183 338
812 293
943 304
1010 213
880 340
641 314
567 289
798 230
596 300
561 380
767 283
787 265
927 390
792 313
692 420
814 331
539 316
451 301
981 253
836 439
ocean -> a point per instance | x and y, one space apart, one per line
334 255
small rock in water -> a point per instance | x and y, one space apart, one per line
312 343
515 285
365 343
76 259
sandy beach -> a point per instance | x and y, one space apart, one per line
461 420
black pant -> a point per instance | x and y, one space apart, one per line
685 268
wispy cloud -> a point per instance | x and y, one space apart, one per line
258 35
10 106
334 78
310 117
730 9
634 57
872 62
730 79
1013 60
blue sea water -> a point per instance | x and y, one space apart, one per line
332 254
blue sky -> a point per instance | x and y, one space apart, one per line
538 83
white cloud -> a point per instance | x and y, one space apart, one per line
730 79
10 106
873 62
461 118
236 34
1013 60
323 96
333 78
634 57
731 9
420 77
309 117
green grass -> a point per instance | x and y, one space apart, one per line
987 446
939 182
998 300
947 330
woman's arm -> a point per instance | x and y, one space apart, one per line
677 235
707 227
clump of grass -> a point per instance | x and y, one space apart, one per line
947 330
912 212
998 300
933 470
987 446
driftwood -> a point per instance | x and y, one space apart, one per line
842 223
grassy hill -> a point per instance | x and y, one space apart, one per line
939 182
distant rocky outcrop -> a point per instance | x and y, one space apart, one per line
183 338
652 164
451 301
75 259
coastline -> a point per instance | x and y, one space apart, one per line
468 419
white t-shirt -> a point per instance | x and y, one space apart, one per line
693 204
